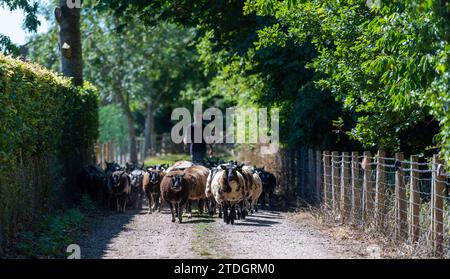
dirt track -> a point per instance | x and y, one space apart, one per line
266 234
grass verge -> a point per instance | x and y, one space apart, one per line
53 232
205 243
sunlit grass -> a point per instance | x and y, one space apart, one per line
166 159
172 158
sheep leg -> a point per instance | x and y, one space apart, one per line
226 213
263 199
154 202
271 200
232 213
189 209
200 206
125 199
171 211
158 199
180 211
140 197
220 210
150 198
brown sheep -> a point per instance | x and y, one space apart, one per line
175 190
200 173
151 185
180 165
121 188
252 189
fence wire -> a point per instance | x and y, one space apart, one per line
404 201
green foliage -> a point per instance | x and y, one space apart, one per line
31 23
388 64
113 125
50 236
45 123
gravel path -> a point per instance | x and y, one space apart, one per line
266 234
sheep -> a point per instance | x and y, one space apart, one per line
137 193
200 175
227 186
269 183
91 180
257 191
180 165
151 186
121 188
175 188
211 202
253 188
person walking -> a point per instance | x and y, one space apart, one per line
196 145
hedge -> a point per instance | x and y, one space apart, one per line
47 130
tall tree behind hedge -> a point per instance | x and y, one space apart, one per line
71 58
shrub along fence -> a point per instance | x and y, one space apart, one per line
47 131
403 199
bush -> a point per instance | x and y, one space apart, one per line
51 235
47 130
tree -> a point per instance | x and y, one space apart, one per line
270 76
30 23
70 56
384 62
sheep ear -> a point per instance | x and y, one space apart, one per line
183 175
241 165
262 168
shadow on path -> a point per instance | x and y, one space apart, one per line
106 228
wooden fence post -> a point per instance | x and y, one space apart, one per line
301 176
304 165
356 187
379 190
437 208
345 187
414 199
318 180
311 175
97 153
367 185
326 177
335 180
400 198
298 171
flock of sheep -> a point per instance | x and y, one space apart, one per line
232 189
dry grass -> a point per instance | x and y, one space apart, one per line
363 241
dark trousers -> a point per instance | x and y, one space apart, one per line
198 156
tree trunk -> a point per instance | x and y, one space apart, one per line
148 130
130 121
131 134
70 51
132 138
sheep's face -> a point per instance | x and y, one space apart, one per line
154 176
112 167
231 172
116 179
136 177
177 181
263 175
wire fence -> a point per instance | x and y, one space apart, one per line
405 200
